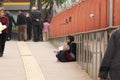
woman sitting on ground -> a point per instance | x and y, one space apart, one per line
69 51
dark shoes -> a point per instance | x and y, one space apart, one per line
8 39
1 55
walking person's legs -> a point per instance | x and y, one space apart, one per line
9 33
2 43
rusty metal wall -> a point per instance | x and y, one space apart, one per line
81 17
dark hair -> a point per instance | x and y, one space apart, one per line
2 9
7 12
21 10
70 37
45 20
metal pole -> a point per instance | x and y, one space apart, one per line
32 3
110 13
39 4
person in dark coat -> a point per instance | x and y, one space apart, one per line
11 22
111 61
68 54
37 25
22 26
4 21
29 26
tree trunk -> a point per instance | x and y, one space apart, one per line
32 3
49 12
1 3
39 4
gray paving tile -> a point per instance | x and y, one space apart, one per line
53 70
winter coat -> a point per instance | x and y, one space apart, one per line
36 15
11 20
4 20
29 21
21 19
111 60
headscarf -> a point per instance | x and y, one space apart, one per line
71 38
7 12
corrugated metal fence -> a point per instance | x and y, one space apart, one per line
90 49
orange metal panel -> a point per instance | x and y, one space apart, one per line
94 15
67 24
74 18
52 27
97 14
76 12
56 26
83 10
71 24
79 18
85 16
64 25
116 12
61 24
104 14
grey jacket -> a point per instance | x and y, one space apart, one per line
111 60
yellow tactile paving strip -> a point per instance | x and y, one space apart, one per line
32 68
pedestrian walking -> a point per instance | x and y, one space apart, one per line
22 26
11 22
46 30
111 61
4 21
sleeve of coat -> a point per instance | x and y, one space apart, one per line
13 21
105 65
18 20
7 22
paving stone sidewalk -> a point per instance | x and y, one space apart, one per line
52 69
12 68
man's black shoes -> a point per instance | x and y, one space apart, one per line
1 55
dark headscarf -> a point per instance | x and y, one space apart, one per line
71 38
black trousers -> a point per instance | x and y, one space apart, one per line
37 31
2 42
29 32
9 34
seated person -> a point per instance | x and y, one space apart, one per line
69 51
